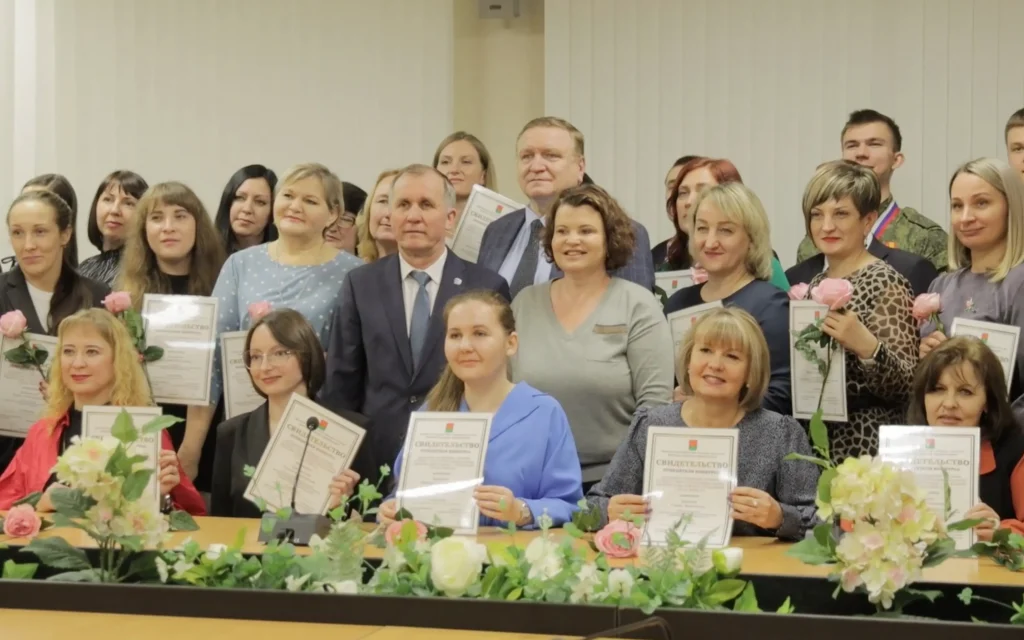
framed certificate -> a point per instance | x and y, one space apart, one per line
1002 339
672 281
927 452
333 444
97 422
239 390
689 473
482 208
442 464
683 320
184 327
21 404
806 377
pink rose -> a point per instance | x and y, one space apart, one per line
22 521
619 539
259 309
798 291
118 302
699 275
395 529
926 305
835 293
13 324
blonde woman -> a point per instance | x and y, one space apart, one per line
300 270
373 226
95 364
730 238
986 253
465 161
531 466
723 365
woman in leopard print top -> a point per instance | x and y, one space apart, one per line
876 328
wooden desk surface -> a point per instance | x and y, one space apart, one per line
761 556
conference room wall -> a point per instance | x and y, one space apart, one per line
769 85
192 90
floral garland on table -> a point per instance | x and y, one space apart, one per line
101 491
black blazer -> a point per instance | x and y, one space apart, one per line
369 361
920 272
14 295
240 442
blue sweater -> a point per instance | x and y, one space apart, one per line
532 453
770 307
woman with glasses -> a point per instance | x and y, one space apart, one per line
342 236
284 357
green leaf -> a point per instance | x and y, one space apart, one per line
572 530
515 594
819 432
786 607
32 499
119 465
905 597
439 533
747 600
159 423
71 503
963 525
725 590
248 470
182 521
124 429
83 575
40 354
810 551
938 552
966 596
152 354
824 464
58 554
135 484
133 321
19 571
825 485
19 355
403 514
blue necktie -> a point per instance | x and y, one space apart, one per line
420 316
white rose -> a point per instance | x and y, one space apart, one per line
544 558
727 561
456 564
214 550
346 586
620 583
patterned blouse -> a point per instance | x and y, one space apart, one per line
877 393
103 267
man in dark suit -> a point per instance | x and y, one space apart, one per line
550 160
919 271
387 341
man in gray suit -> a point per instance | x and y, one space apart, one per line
387 342
550 160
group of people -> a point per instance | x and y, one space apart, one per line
556 330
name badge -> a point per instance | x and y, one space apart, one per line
609 329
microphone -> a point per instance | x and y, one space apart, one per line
297 528
653 622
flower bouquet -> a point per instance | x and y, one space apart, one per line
102 491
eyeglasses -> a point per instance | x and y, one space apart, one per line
346 221
255 359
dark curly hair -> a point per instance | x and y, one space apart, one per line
618 228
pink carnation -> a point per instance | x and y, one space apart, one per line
699 275
925 306
610 542
13 324
22 521
799 291
118 302
394 530
835 293
259 309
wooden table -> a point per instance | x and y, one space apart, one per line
761 556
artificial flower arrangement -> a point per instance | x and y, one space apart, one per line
13 326
119 303
101 490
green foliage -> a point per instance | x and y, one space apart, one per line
22 571
1006 548
32 499
586 519
58 554
182 521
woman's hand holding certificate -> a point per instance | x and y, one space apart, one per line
627 507
756 507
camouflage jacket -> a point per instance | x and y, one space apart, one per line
909 231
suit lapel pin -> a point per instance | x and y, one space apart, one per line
458 281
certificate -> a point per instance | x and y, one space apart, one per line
482 208
672 281
239 390
288 466
927 452
442 463
97 422
680 322
1002 339
184 327
689 473
806 377
21 404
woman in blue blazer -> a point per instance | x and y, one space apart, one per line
531 467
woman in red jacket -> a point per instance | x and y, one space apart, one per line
95 364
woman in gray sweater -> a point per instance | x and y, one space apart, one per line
724 371
598 344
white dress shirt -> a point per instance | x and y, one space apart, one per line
410 287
